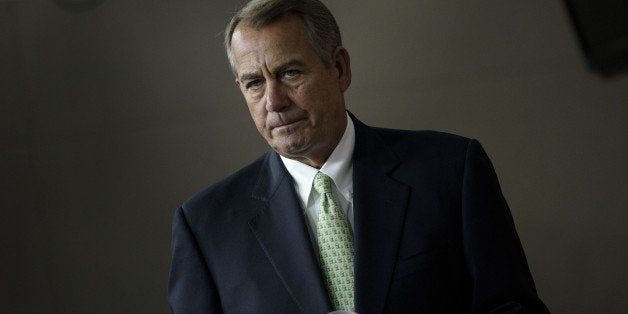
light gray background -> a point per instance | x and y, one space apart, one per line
114 116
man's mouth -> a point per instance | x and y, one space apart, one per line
284 123
287 125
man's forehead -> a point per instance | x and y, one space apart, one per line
253 59
268 46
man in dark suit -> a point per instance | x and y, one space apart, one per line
425 228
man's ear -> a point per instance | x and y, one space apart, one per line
342 64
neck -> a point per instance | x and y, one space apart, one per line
318 157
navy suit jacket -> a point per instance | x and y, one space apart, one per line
433 234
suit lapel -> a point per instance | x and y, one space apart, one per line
281 230
379 211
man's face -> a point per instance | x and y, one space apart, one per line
296 101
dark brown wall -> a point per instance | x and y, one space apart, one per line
111 117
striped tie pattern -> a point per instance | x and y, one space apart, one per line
335 243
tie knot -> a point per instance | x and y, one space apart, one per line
322 183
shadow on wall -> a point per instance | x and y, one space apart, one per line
602 27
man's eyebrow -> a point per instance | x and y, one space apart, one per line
277 70
286 65
249 76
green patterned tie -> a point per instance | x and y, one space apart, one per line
335 243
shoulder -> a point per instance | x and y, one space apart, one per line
226 194
439 155
425 144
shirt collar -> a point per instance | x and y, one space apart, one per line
338 167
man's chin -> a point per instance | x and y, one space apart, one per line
290 153
291 150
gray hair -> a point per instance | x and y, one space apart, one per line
322 29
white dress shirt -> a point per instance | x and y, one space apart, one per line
339 167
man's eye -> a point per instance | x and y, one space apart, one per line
254 84
290 73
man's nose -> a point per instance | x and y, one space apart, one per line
276 97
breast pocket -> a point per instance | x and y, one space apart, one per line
423 260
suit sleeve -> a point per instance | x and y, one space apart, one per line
190 288
501 279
